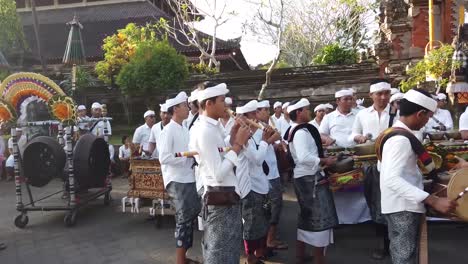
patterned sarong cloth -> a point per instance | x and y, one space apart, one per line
254 216
316 213
188 206
276 200
403 230
223 234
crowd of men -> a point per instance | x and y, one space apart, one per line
231 181
233 185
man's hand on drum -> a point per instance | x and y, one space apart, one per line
360 139
441 204
460 164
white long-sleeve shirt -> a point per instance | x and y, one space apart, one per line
272 163
228 127
175 138
214 168
124 153
443 116
305 153
368 121
339 126
141 136
284 125
276 121
463 125
256 157
156 130
98 129
401 182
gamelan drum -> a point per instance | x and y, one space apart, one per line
455 187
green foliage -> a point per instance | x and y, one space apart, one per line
11 30
154 68
120 47
279 65
3 74
199 68
334 54
437 64
84 80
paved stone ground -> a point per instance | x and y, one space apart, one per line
106 235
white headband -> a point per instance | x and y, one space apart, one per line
302 103
346 92
381 86
422 100
248 107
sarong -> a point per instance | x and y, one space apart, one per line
276 200
223 234
316 213
403 230
187 205
254 216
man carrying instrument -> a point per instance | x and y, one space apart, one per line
351 207
368 124
401 184
156 130
227 121
177 172
272 173
317 215
221 207
253 205
98 127
143 132
278 114
442 119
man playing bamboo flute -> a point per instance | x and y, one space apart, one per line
221 207
401 182
178 175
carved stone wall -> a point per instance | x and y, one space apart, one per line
404 32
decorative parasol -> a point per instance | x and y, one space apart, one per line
74 51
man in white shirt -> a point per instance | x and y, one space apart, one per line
319 112
317 215
442 119
194 109
285 121
156 130
255 220
275 118
463 125
403 197
177 172
328 108
227 121
99 128
222 217
351 207
143 132
81 116
369 123
395 100
276 189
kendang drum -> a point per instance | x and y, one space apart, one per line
456 189
146 180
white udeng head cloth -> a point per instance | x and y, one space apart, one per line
248 107
163 107
228 101
381 86
394 91
320 107
81 107
193 96
148 113
180 98
210 92
277 104
441 97
421 99
285 106
96 105
302 103
345 92
263 104
397 96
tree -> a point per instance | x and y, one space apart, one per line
11 30
335 54
119 48
314 24
269 25
183 30
155 67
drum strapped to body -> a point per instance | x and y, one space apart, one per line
456 185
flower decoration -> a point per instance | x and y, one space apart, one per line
62 108
7 112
